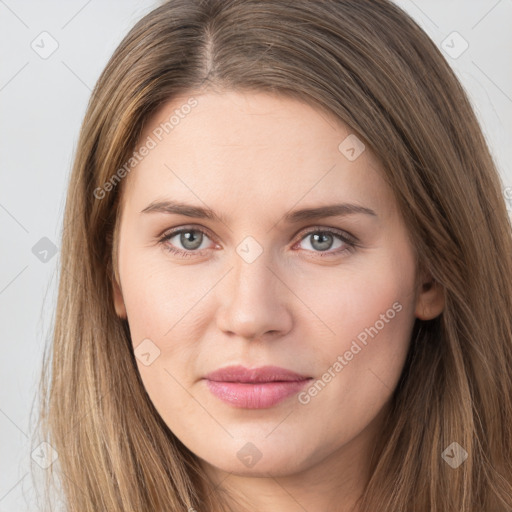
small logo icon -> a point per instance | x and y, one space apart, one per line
249 249
44 455
44 45
249 455
454 45
146 352
351 147
454 455
44 250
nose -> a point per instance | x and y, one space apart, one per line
254 302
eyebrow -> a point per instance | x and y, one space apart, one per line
332 210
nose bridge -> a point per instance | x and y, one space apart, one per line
253 300
252 279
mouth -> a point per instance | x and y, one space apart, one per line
258 388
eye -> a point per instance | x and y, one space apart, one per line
322 240
190 239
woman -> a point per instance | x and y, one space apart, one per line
288 275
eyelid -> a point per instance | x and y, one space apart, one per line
345 236
192 227
303 232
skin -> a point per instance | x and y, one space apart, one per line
253 157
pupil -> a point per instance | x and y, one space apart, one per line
191 241
325 244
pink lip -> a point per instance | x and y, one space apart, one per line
256 388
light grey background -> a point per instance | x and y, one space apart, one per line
42 103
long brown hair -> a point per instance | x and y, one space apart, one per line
373 67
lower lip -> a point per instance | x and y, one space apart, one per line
255 396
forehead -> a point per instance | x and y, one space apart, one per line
227 147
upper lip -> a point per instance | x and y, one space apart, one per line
261 374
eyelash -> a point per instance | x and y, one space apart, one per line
349 240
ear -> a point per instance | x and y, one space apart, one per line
430 298
113 270
118 300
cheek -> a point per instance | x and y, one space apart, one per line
356 296
166 315
159 298
371 311
160 309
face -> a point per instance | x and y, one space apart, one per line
270 277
